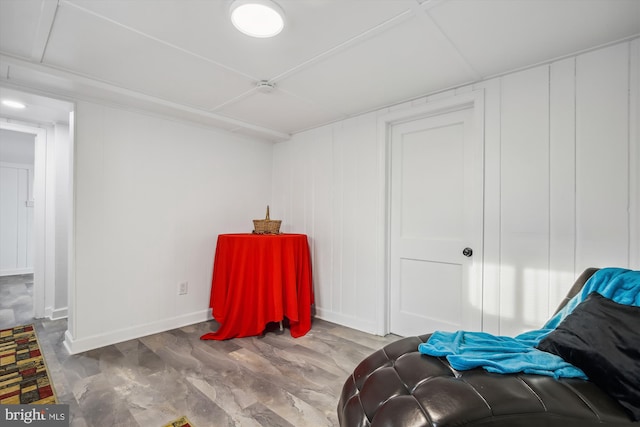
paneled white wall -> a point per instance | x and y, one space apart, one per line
561 170
602 157
151 197
326 184
524 197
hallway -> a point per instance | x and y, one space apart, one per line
16 300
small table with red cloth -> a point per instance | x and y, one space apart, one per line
258 279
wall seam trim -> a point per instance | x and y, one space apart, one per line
629 153
549 190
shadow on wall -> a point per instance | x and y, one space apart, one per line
527 297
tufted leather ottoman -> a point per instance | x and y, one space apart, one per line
398 386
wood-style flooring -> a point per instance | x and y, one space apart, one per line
272 380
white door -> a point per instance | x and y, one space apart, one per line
436 225
16 220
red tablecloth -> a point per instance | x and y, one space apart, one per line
259 279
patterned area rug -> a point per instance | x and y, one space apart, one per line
180 422
23 373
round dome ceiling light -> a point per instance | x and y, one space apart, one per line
257 18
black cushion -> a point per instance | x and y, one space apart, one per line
602 338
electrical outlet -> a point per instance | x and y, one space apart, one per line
183 288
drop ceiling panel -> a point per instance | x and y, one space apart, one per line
18 25
335 58
203 27
403 62
501 35
61 86
280 111
97 48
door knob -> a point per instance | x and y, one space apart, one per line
467 252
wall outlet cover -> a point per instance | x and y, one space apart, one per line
183 288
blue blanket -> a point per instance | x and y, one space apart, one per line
467 350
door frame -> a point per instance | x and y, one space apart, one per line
40 256
30 187
468 100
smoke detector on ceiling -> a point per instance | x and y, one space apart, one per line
264 86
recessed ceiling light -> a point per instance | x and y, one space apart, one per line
13 104
257 18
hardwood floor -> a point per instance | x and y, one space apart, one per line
272 380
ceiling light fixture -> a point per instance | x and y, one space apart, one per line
257 18
13 104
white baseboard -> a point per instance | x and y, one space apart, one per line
364 325
59 313
80 345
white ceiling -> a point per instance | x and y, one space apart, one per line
40 109
334 59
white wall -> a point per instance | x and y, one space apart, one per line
50 169
326 185
17 151
561 190
62 162
151 196
16 147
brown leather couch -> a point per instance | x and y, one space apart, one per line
398 386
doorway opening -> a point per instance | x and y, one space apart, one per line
417 232
49 123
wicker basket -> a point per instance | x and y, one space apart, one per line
266 226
